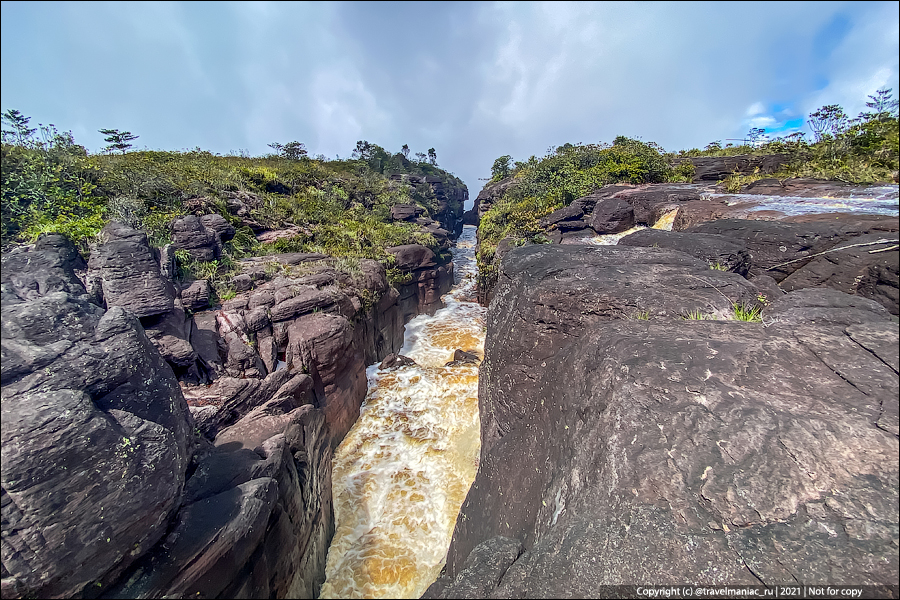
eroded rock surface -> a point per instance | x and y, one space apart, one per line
633 451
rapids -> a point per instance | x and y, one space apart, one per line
404 469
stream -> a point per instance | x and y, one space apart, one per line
402 472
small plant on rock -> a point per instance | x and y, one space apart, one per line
717 266
696 315
750 314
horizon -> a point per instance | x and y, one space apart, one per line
474 81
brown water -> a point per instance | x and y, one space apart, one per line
403 471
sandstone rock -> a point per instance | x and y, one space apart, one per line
96 440
392 361
573 212
125 273
461 357
612 216
218 224
653 452
49 266
852 267
305 300
195 296
242 282
716 168
823 306
406 212
189 233
716 250
412 256
482 571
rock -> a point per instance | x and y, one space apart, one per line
612 216
461 357
205 341
124 273
256 319
716 168
242 282
778 247
195 296
406 212
651 452
95 444
269 237
767 286
392 361
189 233
412 256
305 300
718 251
481 572
855 266
824 306
573 212
46 267
323 345
218 224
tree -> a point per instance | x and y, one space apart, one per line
363 150
19 123
756 136
118 140
292 150
883 106
828 120
713 146
420 156
501 167
405 151
432 156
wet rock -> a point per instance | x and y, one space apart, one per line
460 357
612 215
823 306
632 452
392 361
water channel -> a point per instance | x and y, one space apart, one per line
403 471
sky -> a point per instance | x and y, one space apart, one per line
473 80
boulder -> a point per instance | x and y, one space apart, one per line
612 215
461 357
96 439
218 224
195 295
412 256
47 266
189 233
122 271
716 168
406 212
639 452
392 361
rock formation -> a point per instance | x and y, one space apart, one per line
625 444
119 482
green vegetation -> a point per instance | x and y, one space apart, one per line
338 207
717 266
750 314
697 315
863 149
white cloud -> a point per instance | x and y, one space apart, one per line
756 108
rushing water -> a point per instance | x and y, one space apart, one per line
878 200
665 223
404 469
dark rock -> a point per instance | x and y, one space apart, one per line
573 212
96 441
461 357
48 266
482 571
858 265
242 282
777 247
612 216
406 212
195 296
767 286
653 452
392 361
716 168
124 272
718 251
412 256
824 306
305 300
218 224
256 319
189 233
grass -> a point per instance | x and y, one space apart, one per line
717 266
643 315
749 314
696 315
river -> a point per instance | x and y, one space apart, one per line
404 469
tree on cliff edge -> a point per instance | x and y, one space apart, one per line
118 140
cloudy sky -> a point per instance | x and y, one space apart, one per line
473 80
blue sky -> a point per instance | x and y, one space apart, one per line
473 80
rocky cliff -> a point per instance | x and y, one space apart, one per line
633 432
153 446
